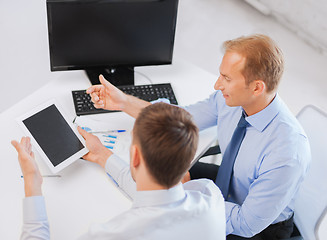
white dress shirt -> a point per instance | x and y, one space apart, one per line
194 210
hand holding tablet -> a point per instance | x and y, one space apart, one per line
54 137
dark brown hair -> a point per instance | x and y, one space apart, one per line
168 139
264 60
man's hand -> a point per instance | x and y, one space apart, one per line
30 170
107 96
97 152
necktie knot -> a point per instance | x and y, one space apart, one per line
242 123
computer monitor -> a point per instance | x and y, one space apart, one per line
110 37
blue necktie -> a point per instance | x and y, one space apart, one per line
226 168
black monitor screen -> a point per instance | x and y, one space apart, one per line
86 34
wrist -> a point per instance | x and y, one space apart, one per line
125 102
32 185
104 157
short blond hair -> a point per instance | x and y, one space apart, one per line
263 59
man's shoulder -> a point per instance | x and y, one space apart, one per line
199 184
287 123
204 187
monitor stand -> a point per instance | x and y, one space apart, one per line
116 75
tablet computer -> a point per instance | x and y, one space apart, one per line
54 137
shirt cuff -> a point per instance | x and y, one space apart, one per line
229 209
34 209
115 165
164 100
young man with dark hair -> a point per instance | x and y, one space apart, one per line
163 208
266 153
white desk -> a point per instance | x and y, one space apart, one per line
84 194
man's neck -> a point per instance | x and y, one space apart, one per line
261 103
150 187
146 183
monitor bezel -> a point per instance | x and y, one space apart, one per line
106 65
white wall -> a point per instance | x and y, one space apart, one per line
307 18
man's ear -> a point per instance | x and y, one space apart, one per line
259 87
135 156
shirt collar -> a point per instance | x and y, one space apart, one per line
261 119
158 197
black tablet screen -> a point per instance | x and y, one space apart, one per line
53 134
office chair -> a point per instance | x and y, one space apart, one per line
310 213
321 227
214 150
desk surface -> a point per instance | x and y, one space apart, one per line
83 194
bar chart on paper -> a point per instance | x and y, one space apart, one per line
114 135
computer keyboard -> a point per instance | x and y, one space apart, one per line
84 105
